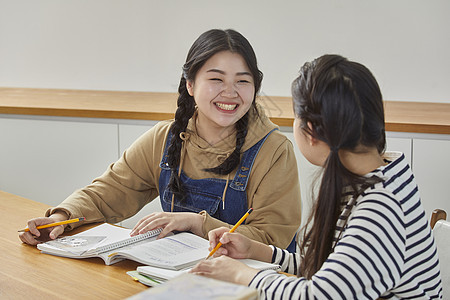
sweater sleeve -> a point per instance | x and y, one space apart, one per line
366 262
273 192
125 187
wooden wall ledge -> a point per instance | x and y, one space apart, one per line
417 117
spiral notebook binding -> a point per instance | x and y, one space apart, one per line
126 242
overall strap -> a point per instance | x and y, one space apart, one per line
164 164
240 180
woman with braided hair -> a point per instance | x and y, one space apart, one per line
220 156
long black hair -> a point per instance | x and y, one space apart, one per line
343 103
206 45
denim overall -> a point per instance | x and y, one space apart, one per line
206 194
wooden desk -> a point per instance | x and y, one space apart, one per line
417 117
26 273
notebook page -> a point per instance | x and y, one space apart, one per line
174 251
112 233
165 274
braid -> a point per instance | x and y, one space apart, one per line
185 110
235 157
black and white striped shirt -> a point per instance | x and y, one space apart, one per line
386 251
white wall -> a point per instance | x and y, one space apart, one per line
140 45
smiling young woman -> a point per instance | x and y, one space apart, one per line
220 156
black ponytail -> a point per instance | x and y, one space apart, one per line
342 103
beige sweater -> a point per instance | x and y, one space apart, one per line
130 183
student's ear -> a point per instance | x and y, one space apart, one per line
310 136
190 87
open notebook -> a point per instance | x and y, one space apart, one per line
160 275
113 243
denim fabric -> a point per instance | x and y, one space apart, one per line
206 194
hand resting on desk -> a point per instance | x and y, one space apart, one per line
35 236
178 221
226 269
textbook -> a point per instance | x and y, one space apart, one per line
161 275
190 286
113 244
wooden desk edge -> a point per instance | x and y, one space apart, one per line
31 273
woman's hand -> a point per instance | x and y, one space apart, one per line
35 236
236 245
178 221
225 268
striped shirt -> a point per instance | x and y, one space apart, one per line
386 251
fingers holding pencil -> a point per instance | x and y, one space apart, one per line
50 229
35 236
231 230
54 224
234 245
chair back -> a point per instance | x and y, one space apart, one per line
441 232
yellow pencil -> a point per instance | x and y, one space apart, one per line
231 230
56 224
